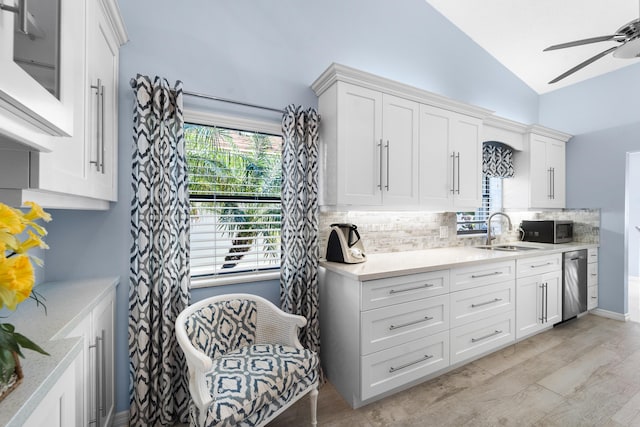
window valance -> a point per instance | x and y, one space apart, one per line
497 160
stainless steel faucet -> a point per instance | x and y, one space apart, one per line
489 238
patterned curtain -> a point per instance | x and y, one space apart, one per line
159 276
299 235
497 160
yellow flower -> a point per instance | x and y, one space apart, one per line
36 212
16 280
31 242
10 220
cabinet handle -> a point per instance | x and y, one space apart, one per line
380 149
426 285
99 162
549 187
458 158
96 385
594 297
406 365
480 304
496 332
426 319
477 276
542 265
453 172
103 376
22 10
387 186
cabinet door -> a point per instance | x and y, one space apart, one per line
540 174
466 144
528 306
436 161
400 154
360 151
37 69
555 155
553 298
102 117
103 397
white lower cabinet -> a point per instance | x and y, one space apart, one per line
592 279
539 294
95 387
482 336
60 406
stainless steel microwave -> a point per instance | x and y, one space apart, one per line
547 231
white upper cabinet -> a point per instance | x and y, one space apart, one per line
540 172
371 141
39 47
450 159
81 170
373 150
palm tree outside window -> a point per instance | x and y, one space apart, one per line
234 191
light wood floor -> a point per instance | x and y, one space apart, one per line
583 373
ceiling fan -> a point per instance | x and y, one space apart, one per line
628 36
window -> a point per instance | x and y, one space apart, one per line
475 222
234 190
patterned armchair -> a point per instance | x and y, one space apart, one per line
246 364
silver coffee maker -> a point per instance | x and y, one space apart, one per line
345 244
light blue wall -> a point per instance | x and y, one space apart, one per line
633 206
596 164
268 53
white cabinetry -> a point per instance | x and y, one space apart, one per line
450 159
539 294
592 278
482 309
376 150
372 147
95 387
398 336
81 170
539 180
59 408
38 69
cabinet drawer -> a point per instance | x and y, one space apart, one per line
395 290
482 336
389 326
388 369
592 274
484 274
478 303
539 265
592 255
592 297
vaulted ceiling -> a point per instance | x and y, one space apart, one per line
515 32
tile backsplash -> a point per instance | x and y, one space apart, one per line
405 231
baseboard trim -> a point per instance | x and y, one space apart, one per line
611 314
121 419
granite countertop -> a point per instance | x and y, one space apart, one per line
382 265
68 303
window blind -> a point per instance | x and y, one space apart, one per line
474 222
234 189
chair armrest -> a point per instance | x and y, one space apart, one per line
278 327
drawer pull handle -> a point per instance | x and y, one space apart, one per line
594 274
496 332
594 297
495 273
426 285
542 265
406 365
480 304
426 319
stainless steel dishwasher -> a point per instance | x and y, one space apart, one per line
574 283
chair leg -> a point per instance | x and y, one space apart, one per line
313 399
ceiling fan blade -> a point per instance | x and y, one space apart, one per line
583 64
581 42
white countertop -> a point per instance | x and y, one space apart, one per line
382 265
67 304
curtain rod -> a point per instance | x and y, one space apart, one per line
132 82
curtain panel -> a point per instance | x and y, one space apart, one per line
159 276
299 234
497 160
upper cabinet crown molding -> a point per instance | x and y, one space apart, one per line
337 72
550 133
115 19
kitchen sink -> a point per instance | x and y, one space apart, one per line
508 248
